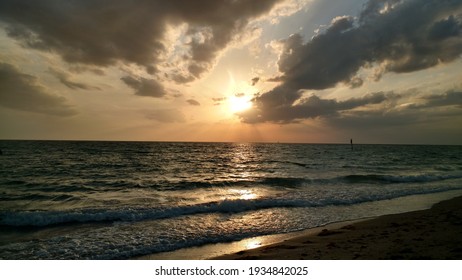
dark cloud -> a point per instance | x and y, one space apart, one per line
400 36
144 87
310 107
88 32
181 79
356 82
409 36
450 98
167 116
276 79
255 80
80 69
104 32
424 121
445 28
373 8
193 102
66 79
20 91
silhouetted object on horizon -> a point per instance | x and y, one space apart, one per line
351 144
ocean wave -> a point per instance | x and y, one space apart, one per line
37 197
378 178
50 218
295 182
308 179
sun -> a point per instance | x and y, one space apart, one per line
239 95
239 103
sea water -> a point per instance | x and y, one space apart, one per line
117 200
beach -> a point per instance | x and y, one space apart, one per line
433 234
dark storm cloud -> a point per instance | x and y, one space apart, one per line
66 79
104 32
400 36
445 28
21 91
144 87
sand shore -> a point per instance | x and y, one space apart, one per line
435 233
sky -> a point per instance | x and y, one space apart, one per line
305 71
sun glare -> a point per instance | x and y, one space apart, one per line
239 104
245 194
239 95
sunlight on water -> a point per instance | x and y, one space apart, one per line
244 194
253 243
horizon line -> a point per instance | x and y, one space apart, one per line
347 142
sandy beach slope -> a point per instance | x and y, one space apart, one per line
435 233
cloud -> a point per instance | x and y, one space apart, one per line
255 80
411 36
66 79
144 87
80 69
167 116
218 100
449 98
379 109
398 36
103 33
356 82
308 108
425 112
193 102
21 91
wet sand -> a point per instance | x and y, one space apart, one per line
434 233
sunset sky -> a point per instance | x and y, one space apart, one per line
311 71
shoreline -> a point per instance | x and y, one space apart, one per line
233 250
219 250
431 234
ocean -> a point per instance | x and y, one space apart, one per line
119 200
